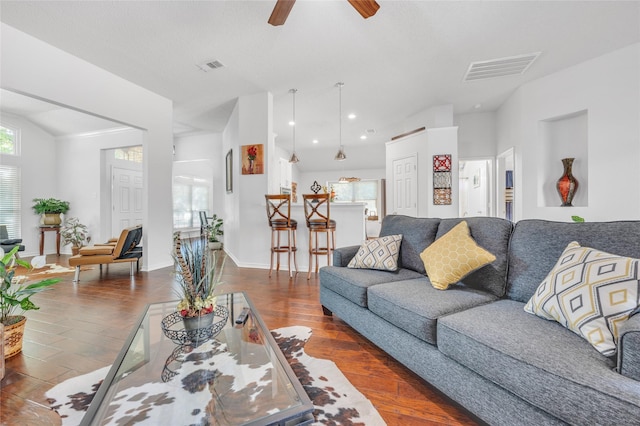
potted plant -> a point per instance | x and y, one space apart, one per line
14 296
50 209
75 233
214 231
198 271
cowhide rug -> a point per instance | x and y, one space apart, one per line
335 400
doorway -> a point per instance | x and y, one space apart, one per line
405 188
475 183
505 189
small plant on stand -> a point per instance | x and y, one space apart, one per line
50 210
75 233
214 231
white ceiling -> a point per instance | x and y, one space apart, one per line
410 56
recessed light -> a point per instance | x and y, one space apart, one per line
292 123
363 137
315 141
351 116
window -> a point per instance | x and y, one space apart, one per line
10 196
365 191
132 153
9 141
190 195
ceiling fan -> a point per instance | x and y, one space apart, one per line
366 8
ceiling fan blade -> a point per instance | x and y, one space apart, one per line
280 12
366 8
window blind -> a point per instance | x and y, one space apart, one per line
10 200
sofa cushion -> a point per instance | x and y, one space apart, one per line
536 246
10 241
415 305
453 256
590 292
90 251
418 233
378 253
493 234
352 284
539 361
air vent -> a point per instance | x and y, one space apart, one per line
512 65
210 65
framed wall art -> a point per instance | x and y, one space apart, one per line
252 159
442 180
229 171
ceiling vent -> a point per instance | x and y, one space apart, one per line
210 65
500 67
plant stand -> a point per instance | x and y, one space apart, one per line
13 338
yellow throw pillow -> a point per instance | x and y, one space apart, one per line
454 256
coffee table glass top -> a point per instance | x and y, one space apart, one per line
239 377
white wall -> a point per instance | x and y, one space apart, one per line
425 145
38 169
80 174
307 179
201 155
476 134
608 89
32 67
436 116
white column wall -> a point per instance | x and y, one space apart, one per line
35 68
247 238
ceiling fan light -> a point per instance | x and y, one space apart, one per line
294 158
340 156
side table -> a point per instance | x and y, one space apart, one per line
46 228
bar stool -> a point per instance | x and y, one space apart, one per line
279 216
317 211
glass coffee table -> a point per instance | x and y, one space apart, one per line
237 377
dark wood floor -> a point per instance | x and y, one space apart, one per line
82 327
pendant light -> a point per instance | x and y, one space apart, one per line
294 157
340 156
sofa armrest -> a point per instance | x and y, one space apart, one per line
343 255
629 348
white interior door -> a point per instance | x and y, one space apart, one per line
126 198
405 186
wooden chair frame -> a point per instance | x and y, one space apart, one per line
317 212
279 221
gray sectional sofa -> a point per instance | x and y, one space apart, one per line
474 341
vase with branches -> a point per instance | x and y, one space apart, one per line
198 274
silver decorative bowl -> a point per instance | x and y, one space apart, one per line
174 328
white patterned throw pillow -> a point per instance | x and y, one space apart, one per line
379 253
591 293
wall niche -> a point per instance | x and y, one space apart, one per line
564 136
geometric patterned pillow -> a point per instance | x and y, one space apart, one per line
591 293
379 253
453 256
